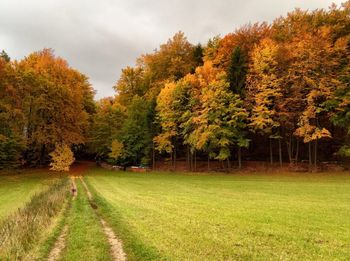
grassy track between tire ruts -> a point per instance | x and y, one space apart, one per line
85 238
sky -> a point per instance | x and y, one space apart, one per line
101 37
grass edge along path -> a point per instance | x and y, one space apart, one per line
18 187
134 248
21 231
55 244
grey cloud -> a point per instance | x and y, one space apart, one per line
99 38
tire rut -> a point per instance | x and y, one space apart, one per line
117 251
59 245
61 240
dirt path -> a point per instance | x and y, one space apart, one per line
59 245
80 167
61 240
116 244
77 169
74 188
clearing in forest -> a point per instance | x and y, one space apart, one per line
157 216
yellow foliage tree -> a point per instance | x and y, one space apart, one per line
265 90
117 150
167 118
315 70
62 158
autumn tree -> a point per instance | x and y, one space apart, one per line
211 48
106 126
61 158
130 83
290 75
265 90
318 58
246 37
172 61
55 102
340 104
220 120
12 119
117 150
212 118
192 86
168 119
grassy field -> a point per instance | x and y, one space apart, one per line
16 189
174 216
227 217
24 232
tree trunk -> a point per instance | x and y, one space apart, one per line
280 151
310 156
195 160
239 157
208 163
191 160
222 164
297 152
153 159
315 159
290 149
42 155
172 160
271 157
175 157
188 158
228 164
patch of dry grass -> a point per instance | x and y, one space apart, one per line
21 230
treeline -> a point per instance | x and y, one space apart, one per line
276 91
43 104
265 91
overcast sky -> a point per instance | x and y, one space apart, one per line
101 37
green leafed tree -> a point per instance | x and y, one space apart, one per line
136 133
106 126
12 142
219 120
237 71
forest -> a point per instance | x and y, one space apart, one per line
277 92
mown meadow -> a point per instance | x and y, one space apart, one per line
178 216
250 216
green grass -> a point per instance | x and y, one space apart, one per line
17 188
85 239
227 217
23 231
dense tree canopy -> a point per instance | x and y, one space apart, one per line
43 102
284 83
